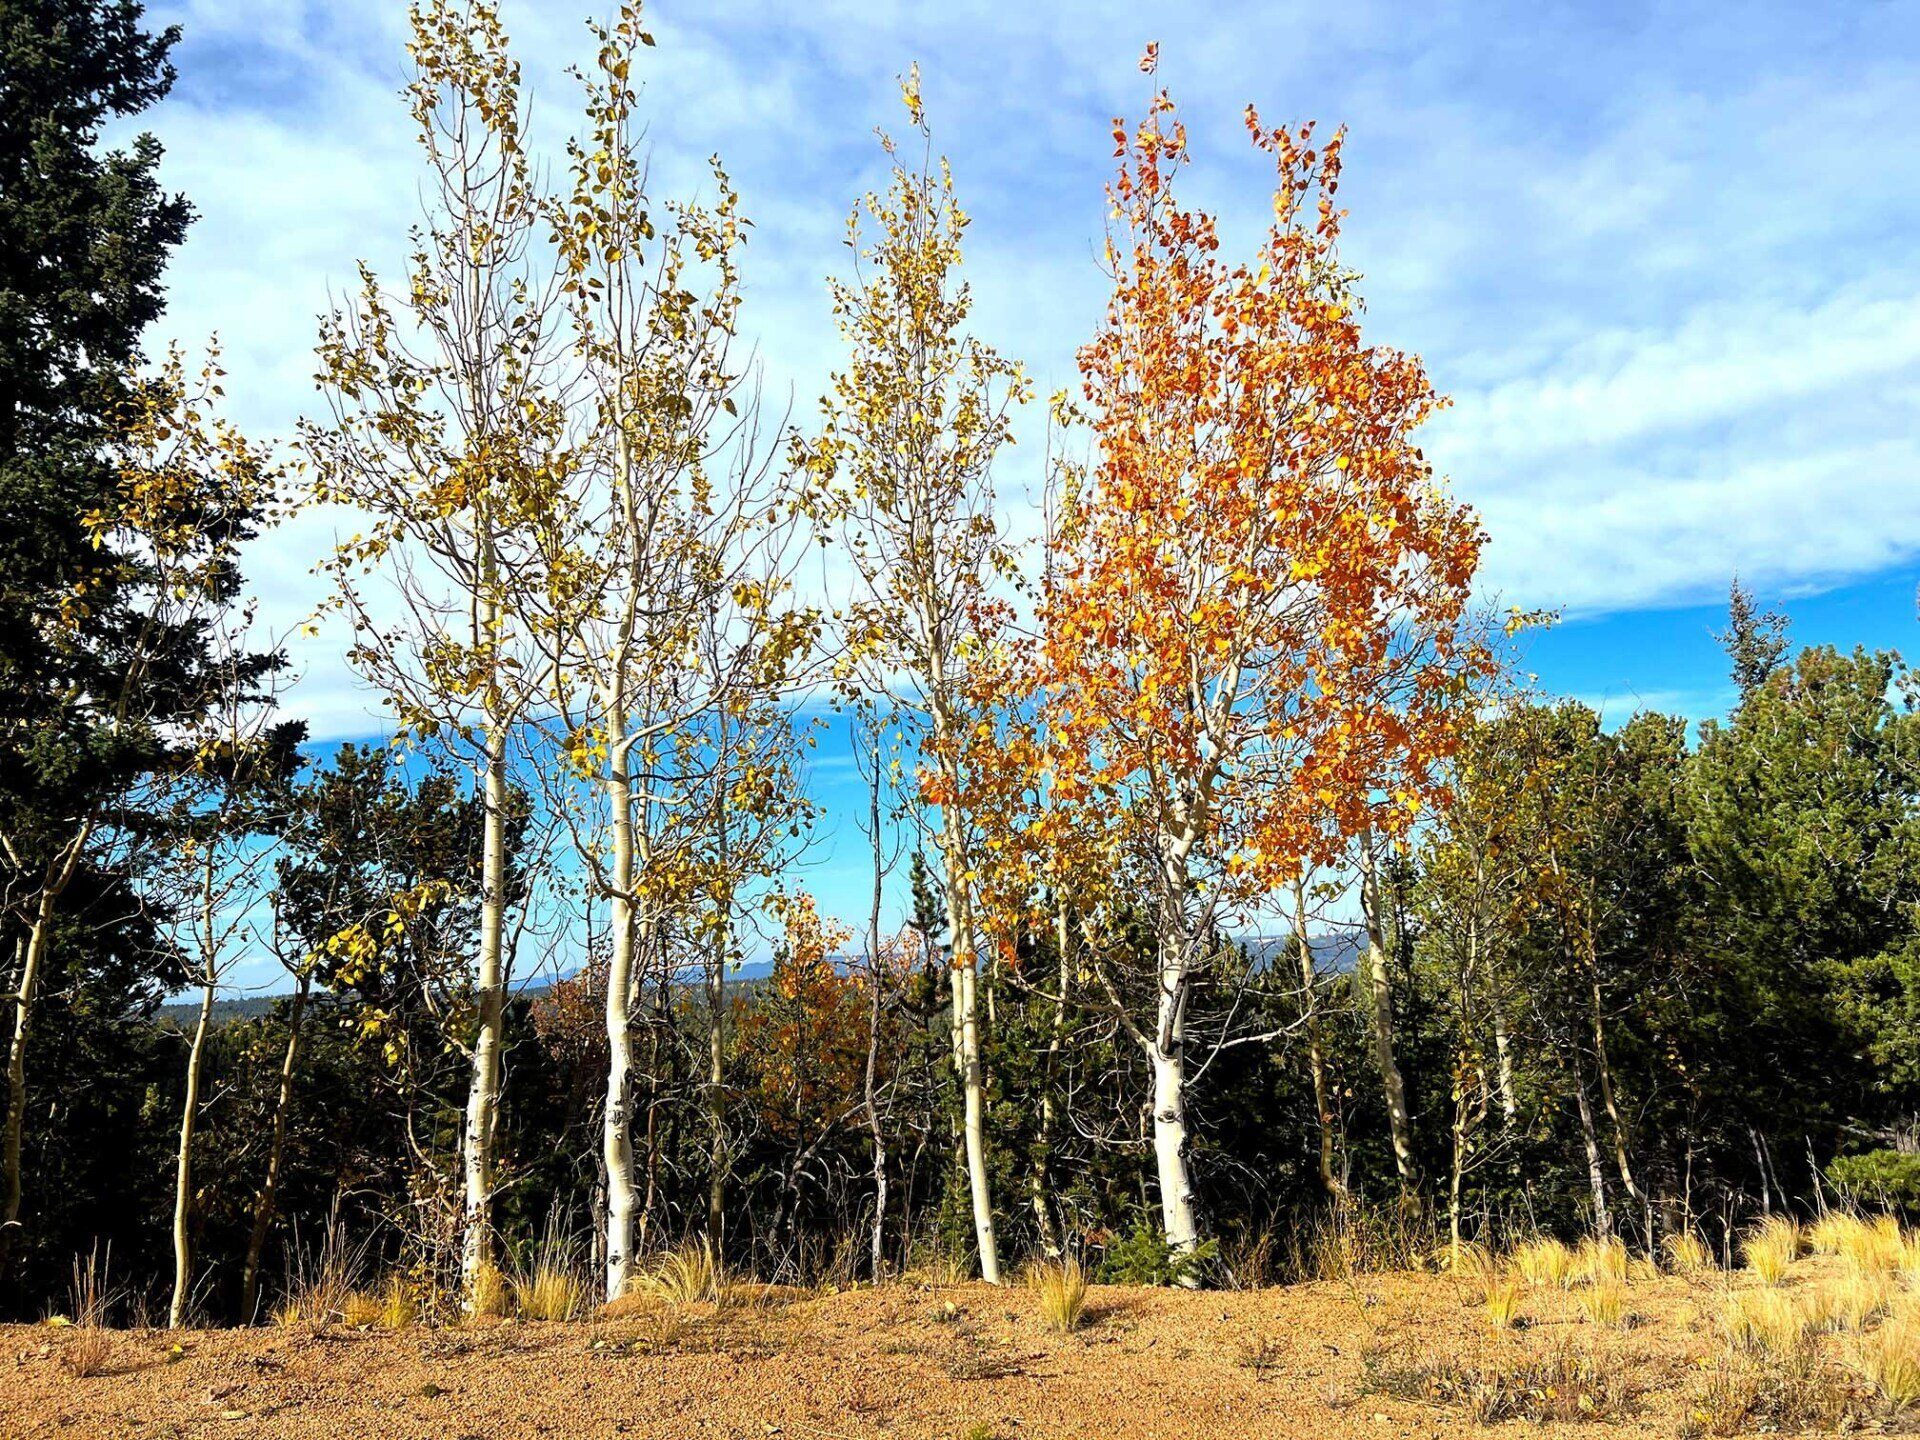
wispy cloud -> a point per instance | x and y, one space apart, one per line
1662 261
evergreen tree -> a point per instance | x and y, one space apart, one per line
1754 640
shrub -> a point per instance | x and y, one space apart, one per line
1145 1258
1883 1177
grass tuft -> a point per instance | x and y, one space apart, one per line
1605 1303
1561 1384
1503 1296
689 1274
550 1291
1890 1359
361 1310
1765 1321
490 1296
1062 1288
1545 1262
1856 1301
89 1351
1603 1260
1687 1253
1470 1262
1770 1248
319 1279
1746 1394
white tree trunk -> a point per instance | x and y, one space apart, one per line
1596 1168
617 1121
39 938
1330 1179
23 1004
1168 1053
1503 1052
183 1163
973 1082
1393 1086
483 1090
265 1202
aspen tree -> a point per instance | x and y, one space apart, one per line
676 631
1257 630
914 426
450 438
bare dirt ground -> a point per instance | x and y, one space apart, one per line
1334 1359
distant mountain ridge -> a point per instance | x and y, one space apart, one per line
1335 952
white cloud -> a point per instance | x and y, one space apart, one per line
1664 266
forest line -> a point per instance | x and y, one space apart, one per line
1235 710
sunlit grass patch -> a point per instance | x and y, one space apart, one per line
1686 1253
1770 1248
1765 1320
1889 1358
1603 1260
1503 1296
1062 1288
1545 1262
1605 1303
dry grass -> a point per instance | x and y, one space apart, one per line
391 1307
689 1274
319 1280
1605 1303
549 1292
1867 1246
490 1296
1687 1253
1470 1262
1856 1301
1602 1260
1765 1321
1770 1248
1877 1248
1062 1288
1545 1262
936 1271
1503 1298
1890 1360
1824 1234
1746 1394
1560 1384
89 1351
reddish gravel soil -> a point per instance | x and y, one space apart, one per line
1329 1359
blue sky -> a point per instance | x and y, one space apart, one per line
1662 256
